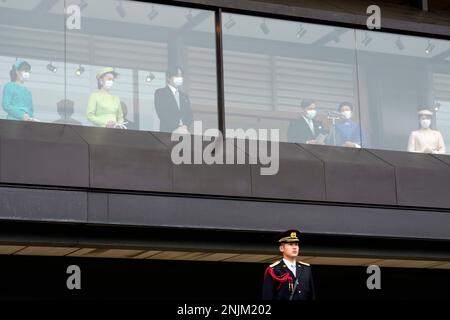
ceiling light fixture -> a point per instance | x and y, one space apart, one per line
79 71
150 77
83 4
430 47
301 31
399 44
190 15
367 39
153 14
230 23
52 68
265 29
437 107
120 9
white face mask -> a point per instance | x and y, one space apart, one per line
425 123
346 114
108 84
25 75
311 114
178 81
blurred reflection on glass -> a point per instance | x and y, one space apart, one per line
17 99
104 109
31 31
270 65
307 129
129 124
426 140
65 109
398 74
142 41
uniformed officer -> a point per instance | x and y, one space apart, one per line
288 279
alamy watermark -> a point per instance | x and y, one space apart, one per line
73 21
207 147
374 280
374 19
73 281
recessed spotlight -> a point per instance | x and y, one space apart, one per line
52 68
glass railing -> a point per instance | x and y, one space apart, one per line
142 66
119 64
337 86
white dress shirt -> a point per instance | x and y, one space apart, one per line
310 124
291 265
176 94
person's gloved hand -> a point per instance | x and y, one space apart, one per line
120 126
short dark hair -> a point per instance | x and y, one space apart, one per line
23 66
345 104
307 102
173 71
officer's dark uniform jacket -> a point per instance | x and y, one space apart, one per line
279 282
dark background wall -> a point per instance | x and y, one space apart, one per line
45 278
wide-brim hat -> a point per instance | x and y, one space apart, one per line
425 112
106 70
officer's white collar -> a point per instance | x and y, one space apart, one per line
288 263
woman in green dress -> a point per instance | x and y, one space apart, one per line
104 109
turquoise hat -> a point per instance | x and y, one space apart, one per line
19 63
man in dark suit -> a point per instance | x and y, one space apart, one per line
288 279
306 129
173 105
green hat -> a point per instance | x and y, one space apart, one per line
106 70
289 236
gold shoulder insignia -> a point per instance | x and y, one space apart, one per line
274 264
306 264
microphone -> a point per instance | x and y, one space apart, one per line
334 115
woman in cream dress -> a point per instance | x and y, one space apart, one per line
426 140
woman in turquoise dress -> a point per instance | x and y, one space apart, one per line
17 100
